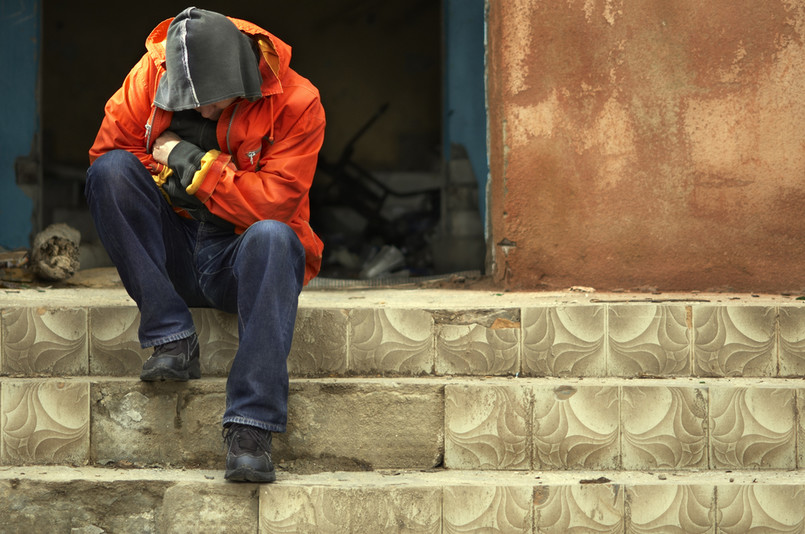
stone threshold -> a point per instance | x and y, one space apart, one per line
36 498
421 298
410 478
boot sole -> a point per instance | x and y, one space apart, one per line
166 374
247 474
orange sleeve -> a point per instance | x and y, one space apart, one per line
127 114
279 189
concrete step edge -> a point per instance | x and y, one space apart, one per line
698 382
408 478
37 499
413 298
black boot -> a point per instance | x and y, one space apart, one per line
248 455
176 361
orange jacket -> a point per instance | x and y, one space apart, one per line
269 148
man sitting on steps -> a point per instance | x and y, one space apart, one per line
198 187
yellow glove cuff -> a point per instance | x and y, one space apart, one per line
162 176
206 162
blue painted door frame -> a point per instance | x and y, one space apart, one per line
464 120
20 46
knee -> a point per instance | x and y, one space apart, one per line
273 233
275 250
273 237
111 163
113 170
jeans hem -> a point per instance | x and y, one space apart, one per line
167 339
253 422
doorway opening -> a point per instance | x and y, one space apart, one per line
393 80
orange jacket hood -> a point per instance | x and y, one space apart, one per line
276 53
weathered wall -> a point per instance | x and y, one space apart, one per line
647 143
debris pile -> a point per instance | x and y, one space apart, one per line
55 254
54 257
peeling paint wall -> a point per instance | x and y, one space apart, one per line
647 143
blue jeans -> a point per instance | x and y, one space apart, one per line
169 263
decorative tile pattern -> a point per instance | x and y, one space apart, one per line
487 427
792 341
752 428
569 341
44 422
671 508
647 340
477 350
337 510
391 341
766 509
114 347
319 344
664 428
45 342
576 428
593 509
487 509
217 340
735 341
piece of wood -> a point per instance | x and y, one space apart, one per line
55 252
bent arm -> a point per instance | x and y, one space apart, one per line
127 114
278 190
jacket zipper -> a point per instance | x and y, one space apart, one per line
147 135
229 128
148 127
252 153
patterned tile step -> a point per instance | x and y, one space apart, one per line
417 333
59 499
360 423
682 424
419 423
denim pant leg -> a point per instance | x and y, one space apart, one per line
258 276
149 244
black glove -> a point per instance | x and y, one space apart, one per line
185 160
178 194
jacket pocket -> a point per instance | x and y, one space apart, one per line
249 156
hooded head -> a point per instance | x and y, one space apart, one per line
207 59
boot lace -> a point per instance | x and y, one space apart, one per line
247 439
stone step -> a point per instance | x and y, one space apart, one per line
418 411
96 500
461 423
86 332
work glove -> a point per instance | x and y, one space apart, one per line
178 194
185 160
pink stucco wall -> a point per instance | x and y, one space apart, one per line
647 144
